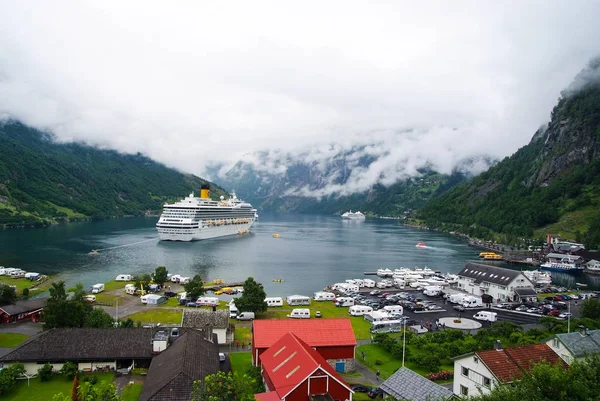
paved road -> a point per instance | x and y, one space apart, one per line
26 327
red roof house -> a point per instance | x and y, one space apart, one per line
294 371
332 338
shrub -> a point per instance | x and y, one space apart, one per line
25 292
430 362
45 372
378 362
442 375
69 369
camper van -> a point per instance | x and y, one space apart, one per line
432 290
299 314
184 280
486 316
175 278
207 301
294 300
131 290
472 302
97 288
233 310
376 316
124 277
246 316
344 301
274 301
144 299
324 296
369 283
17 273
393 309
457 298
359 310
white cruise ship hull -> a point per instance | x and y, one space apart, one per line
197 234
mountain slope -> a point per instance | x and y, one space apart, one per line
555 175
42 181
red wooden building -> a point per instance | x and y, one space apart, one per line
333 339
294 371
22 310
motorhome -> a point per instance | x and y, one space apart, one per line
359 310
457 298
376 316
324 296
8 270
144 299
299 314
344 301
472 302
131 290
17 273
432 290
233 310
369 283
393 309
381 284
486 316
97 288
387 326
175 278
207 301
294 300
274 301
124 277
184 280
419 284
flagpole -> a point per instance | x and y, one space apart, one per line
404 342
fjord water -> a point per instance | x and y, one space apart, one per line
313 251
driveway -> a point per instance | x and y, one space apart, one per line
25 327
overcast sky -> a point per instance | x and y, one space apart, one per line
193 82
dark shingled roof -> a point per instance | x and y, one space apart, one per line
581 344
23 306
200 318
408 385
85 345
526 292
173 371
489 274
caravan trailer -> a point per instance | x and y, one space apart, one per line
97 288
324 296
207 301
369 283
359 310
376 316
124 277
294 300
300 314
395 309
274 301
344 301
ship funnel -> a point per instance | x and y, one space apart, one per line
205 192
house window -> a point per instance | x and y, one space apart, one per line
465 371
487 382
464 390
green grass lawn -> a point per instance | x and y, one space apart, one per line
35 287
243 334
240 361
132 392
38 391
11 340
113 285
158 315
328 310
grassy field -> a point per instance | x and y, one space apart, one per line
240 361
328 311
243 334
11 340
132 392
158 315
35 287
38 391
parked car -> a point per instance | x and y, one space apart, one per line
169 294
460 308
375 392
503 305
221 357
192 304
375 292
521 308
359 388
554 313
565 315
318 314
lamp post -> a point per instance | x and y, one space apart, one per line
569 316
404 342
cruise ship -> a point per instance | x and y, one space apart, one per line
194 218
353 216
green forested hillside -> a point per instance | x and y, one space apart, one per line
554 178
42 181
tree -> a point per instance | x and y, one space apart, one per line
9 375
142 281
45 372
99 318
60 311
253 297
127 323
223 386
590 308
194 288
69 369
160 275
8 294
102 391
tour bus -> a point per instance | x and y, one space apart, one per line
294 300
274 301
387 326
359 310
324 296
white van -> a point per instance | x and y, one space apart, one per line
359 310
324 296
344 301
124 277
246 316
97 288
233 310
184 280
369 283
432 290
395 309
472 302
207 301
300 314
294 300
274 301
486 316
457 298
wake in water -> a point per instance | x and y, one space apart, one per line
97 251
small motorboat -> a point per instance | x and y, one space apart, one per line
581 285
421 245
278 280
276 235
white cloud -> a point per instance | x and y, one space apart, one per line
190 83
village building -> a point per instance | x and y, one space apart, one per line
575 345
502 285
405 384
293 371
333 339
479 372
203 319
22 310
563 258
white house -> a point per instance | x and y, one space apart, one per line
499 283
575 345
203 319
479 372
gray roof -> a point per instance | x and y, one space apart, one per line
526 292
172 372
23 306
490 274
200 318
562 256
84 344
408 385
579 344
